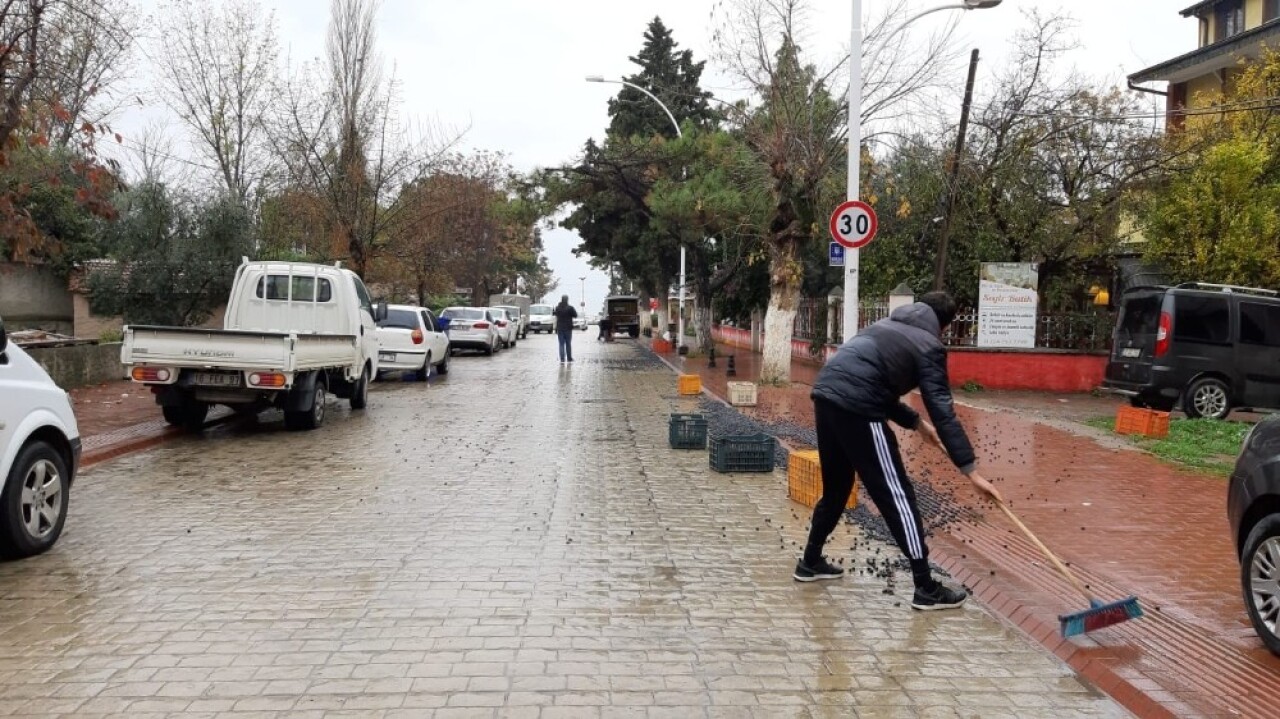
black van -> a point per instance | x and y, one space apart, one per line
1217 347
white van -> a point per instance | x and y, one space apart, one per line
39 452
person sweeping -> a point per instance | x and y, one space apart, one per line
855 396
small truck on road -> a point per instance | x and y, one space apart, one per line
293 334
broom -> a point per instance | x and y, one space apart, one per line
1098 615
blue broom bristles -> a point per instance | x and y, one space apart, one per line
1099 615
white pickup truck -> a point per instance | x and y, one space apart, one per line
294 332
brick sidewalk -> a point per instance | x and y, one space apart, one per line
116 418
1128 523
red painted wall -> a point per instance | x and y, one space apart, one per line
1027 369
1043 370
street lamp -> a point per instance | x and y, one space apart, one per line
855 138
676 125
584 293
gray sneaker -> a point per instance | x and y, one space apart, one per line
822 569
941 597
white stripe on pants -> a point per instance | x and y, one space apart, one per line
895 488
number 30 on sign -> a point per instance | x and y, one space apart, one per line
854 224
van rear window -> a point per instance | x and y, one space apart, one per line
1202 319
1140 316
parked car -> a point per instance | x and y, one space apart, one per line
508 330
293 333
1209 348
409 340
580 323
1253 508
541 319
39 454
472 328
517 318
517 306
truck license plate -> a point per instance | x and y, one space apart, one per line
386 356
1131 352
217 379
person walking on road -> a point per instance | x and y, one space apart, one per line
565 314
856 393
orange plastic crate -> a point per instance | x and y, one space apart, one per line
1145 422
690 384
804 479
661 346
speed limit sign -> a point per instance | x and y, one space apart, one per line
854 224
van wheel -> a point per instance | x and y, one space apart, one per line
33 502
1209 398
360 390
1260 580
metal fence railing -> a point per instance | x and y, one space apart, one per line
819 321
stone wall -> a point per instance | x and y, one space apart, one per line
80 365
34 297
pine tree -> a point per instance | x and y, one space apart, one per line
669 74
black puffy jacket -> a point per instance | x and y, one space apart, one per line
870 373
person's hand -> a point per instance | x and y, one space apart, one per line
929 434
985 488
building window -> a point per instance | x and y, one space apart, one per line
1230 19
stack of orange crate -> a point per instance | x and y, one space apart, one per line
804 479
1145 422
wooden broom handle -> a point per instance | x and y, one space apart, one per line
1071 577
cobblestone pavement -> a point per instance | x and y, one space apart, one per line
513 541
1126 522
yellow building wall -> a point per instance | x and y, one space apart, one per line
1252 13
1204 91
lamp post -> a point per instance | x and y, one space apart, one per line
855 137
584 293
676 125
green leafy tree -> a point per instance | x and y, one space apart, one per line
1214 216
611 184
174 256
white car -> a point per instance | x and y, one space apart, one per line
518 318
39 454
541 319
508 328
472 328
409 341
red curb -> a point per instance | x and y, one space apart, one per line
98 455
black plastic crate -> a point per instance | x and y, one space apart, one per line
687 431
749 453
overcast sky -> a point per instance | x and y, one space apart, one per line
511 72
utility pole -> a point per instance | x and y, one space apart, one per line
940 267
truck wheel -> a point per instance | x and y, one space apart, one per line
360 391
33 502
190 415
312 417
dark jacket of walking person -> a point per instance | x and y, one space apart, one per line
565 314
857 392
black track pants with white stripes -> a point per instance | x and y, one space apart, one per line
849 444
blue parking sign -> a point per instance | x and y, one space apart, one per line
836 255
